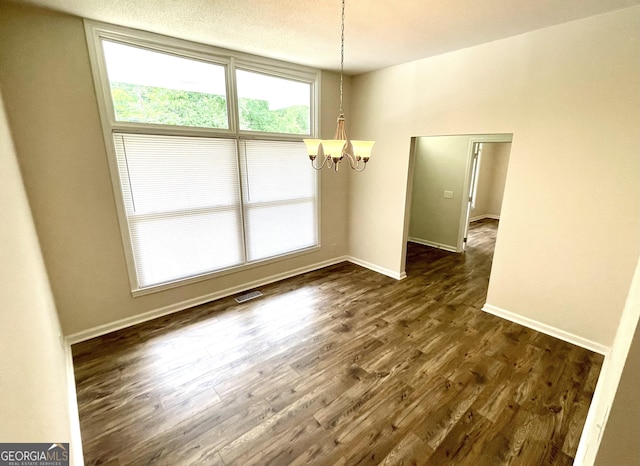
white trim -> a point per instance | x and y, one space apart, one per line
465 208
182 305
220 273
483 216
547 329
610 375
595 422
77 457
433 244
376 268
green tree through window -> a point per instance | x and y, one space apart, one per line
149 104
256 116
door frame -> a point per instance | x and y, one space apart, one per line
473 184
465 211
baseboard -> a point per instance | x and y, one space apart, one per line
154 314
181 306
482 217
77 457
547 329
433 244
376 268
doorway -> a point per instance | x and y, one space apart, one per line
489 164
444 174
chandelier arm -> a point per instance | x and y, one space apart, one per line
331 164
352 160
354 163
315 166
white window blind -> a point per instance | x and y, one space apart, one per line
183 204
206 154
279 196
182 200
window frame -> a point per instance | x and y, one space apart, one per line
95 32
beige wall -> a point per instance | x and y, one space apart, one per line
33 354
570 222
440 164
52 108
492 179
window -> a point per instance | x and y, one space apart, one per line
272 104
153 87
278 184
205 182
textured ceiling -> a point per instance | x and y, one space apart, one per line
378 33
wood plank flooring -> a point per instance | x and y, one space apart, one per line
340 366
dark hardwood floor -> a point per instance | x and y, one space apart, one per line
339 366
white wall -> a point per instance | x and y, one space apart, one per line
34 403
570 96
52 107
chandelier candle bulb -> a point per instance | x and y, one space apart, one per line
333 148
313 146
362 149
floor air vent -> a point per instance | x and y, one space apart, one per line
247 296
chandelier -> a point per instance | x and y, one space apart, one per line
331 152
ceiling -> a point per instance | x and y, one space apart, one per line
378 33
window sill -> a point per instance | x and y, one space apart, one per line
220 273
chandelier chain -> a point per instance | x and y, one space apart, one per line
342 60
